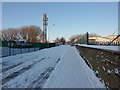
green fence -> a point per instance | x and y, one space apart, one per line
43 45
3 44
83 39
37 45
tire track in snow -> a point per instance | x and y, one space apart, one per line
10 67
61 56
38 83
15 74
17 66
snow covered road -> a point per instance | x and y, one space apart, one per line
57 67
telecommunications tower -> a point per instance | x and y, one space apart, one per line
45 24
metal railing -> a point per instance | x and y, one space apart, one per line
114 39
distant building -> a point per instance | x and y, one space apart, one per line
101 40
69 42
18 42
112 36
51 41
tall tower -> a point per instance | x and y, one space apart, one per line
45 24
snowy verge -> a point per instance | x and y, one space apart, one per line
112 48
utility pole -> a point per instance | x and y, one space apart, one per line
45 24
87 34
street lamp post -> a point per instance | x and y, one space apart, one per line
49 34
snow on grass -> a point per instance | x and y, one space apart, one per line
51 55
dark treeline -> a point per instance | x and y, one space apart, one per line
60 40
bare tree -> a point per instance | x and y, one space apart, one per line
29 33
57 40
62 40
92 35
78 36
34 32
8 34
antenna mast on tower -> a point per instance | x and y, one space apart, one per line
45 24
